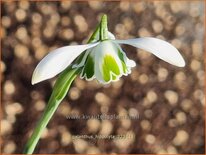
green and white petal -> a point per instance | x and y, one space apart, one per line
129 63
108 66
106 62
159 48
58 60
88 69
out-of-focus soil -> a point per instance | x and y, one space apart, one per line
168 101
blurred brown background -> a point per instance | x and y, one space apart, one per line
169 101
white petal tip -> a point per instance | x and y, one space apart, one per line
36 78
181 64
131 63
35 81
177 60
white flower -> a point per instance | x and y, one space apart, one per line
103 59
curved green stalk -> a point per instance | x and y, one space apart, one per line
60 90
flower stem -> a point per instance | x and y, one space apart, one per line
103 28
60 90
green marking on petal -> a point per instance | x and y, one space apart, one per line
121 56
114 77
89 67
109 65
124 67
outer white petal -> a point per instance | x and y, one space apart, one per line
160 48
57 60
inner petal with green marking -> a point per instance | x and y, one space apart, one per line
110 68
88 70
106 62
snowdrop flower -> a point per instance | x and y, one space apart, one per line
103 58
